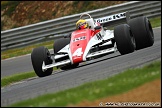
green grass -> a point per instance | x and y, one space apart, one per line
18 77
117 84
24 50
155 22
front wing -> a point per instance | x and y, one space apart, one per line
68 61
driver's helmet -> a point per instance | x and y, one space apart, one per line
81 24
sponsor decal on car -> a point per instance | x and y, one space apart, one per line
79 38
110 18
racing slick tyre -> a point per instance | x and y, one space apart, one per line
60 43
57 46
124 39
39 55
142 31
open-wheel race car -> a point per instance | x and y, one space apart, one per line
93 42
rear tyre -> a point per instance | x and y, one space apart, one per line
142 31
58 45
124 39
39 55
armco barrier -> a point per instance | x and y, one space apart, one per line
55 28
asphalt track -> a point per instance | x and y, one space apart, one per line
89 71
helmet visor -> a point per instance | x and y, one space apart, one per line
82 25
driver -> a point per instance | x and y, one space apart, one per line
81 24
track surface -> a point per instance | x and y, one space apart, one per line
93 70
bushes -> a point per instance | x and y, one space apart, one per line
11 6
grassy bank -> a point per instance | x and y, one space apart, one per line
117 84
155 22
18 77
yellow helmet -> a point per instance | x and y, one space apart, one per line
81 24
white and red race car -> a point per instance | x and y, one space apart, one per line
96 41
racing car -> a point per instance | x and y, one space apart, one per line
96 41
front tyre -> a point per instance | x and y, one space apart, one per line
39 55
124 39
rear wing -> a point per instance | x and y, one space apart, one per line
113 19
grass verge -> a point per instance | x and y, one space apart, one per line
18 77
117 84
155 22
25 50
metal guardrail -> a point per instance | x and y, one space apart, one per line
52 29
